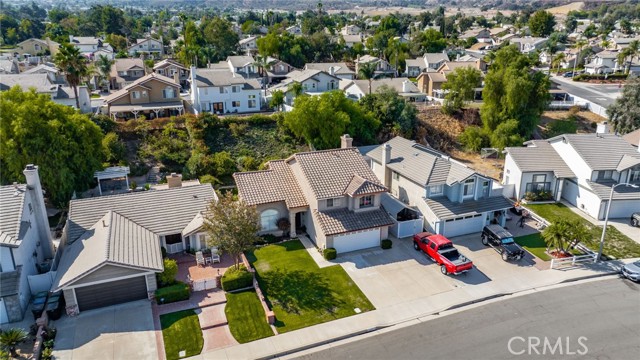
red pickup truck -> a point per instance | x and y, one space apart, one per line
442 251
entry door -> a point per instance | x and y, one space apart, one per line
218 107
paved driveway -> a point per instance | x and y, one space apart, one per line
116 332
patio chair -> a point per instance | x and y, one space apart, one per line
215 257
200 258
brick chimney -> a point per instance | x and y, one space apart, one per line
174 180
39 211
346 141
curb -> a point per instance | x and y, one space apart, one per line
452 307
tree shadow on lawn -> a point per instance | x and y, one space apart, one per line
298 291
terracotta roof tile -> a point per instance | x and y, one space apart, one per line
273 185
362 186
344 220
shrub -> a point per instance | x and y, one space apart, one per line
209 179
234 279
473 138
177 292
329 253
269 238
559 127
238 129
386 244
168 276
133 185
538 196
47 354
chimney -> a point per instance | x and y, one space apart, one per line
39 210
174 180
405 86
386 157
346 141
603 128
332 70
195 96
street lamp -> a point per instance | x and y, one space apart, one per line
606 216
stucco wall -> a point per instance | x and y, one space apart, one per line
282 210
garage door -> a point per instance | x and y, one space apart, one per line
622 208
111 293
463 226
356 241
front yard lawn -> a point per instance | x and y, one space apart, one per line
616 244
181 331
302 294
246 317
534 243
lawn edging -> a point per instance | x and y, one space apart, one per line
268 312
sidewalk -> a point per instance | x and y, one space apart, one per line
399 313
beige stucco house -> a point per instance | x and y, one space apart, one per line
332 195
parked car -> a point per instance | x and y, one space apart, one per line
441 251
632 271
635 219
568 74
502 241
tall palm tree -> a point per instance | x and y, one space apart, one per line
367 71
558 59
104 65
578 45
634 49
74 66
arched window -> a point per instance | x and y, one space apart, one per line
268 220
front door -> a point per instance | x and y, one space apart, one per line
218 108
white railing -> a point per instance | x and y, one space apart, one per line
572 261
204 284
174 248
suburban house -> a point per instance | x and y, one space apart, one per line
223 92
25 243
357 89
383 68
9 66
579 168
149 46
54 74
453 198
243 65
153 96
350 30
482 35
431 82
528 44
89 45
312 81
35 46
340 70
112 249
622 43
294 30
604 62
428 62
45 83
277 70
125 71
332 195
106 52
350 40
173 69
249 45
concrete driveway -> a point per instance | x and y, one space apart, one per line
116 332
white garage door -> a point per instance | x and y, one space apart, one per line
463 226
622 208
356 241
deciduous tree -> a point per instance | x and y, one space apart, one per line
625 112
461 84
392 110
541 23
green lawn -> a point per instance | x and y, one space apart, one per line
534 243
302 294
246 317
616 244
181 331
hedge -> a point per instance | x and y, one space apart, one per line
330 253
582 77
177 292
386 244
236 279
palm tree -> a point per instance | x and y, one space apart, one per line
9 339
558 59
367 71
605 43
74 66
296 89
555 235
262 63
104 65
634 49
578 45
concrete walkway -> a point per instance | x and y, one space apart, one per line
313 251
400 313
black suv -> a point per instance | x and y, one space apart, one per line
635 219
502 241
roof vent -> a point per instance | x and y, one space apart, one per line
104 223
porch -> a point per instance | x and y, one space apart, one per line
193 274
150 110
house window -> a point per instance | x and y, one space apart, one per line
203 241
221 90
206 91
635 176
605 175
436 190
468 188
539 178
396 176
252 103
122 73
333 202
268 219
135 94
235 103
169 92
329 202
234 89
485 188
366 201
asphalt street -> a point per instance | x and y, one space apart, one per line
593 320
601 94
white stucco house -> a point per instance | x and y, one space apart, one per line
453 198
579 168
312 81
357 89
223 92
604 62
25 243
149 45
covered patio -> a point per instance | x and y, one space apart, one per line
191 273
150 110
116 175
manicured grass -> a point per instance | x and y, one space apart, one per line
616 244
181 331
302 294
246 317
534 243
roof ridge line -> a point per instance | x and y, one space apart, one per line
108 247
